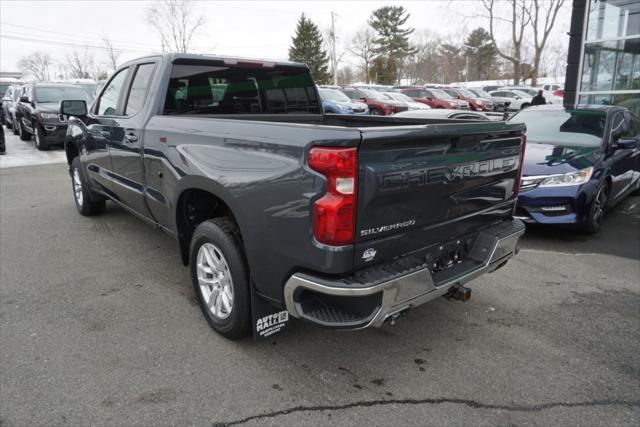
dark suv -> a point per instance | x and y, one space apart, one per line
38 112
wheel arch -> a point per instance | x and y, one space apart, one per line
196 202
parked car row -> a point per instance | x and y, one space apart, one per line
385 100
32 110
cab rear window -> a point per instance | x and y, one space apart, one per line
214 87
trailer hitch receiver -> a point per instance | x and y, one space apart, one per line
459 292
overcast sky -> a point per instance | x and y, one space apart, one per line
260 29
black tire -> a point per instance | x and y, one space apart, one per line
597 209
88 204
375 112
8 123
2 119
41 144
222 234
24 135
523 106
15 126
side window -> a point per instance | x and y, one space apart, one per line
138 89
618 121
108 102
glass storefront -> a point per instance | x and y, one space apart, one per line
611 59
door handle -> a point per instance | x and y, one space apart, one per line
131 137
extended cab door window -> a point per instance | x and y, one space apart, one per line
139 87
107 105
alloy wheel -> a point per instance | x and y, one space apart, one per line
214 279
77 187
599 205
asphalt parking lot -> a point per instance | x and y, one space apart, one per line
99 326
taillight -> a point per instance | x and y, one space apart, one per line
334 219
516 188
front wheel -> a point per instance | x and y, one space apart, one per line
597 209
220 277
374 112
24 135
40 142
82 194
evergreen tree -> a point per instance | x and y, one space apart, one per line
482 55
307 48
383 70
392 42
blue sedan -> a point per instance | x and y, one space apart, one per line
336 102
578 163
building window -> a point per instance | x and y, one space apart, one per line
611 65
613 18
611 59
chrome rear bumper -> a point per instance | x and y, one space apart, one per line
339 303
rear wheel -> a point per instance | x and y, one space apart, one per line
220 277
597 209
82 194
375 112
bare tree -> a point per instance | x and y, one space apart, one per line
363 46
80 63
421 65
38 64
113 55
518 18
542 16
176 21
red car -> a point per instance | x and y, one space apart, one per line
377 103
434 98
476 104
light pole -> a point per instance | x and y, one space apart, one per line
466 60
466 56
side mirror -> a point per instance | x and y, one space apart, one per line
363 99
24 99
626 143
517 97
73 108
620 131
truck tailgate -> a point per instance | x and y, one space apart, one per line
421 186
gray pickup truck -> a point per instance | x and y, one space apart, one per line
280 210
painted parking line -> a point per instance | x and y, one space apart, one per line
25 153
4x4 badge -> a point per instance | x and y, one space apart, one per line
369 254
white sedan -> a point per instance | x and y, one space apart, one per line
517 99
413 105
